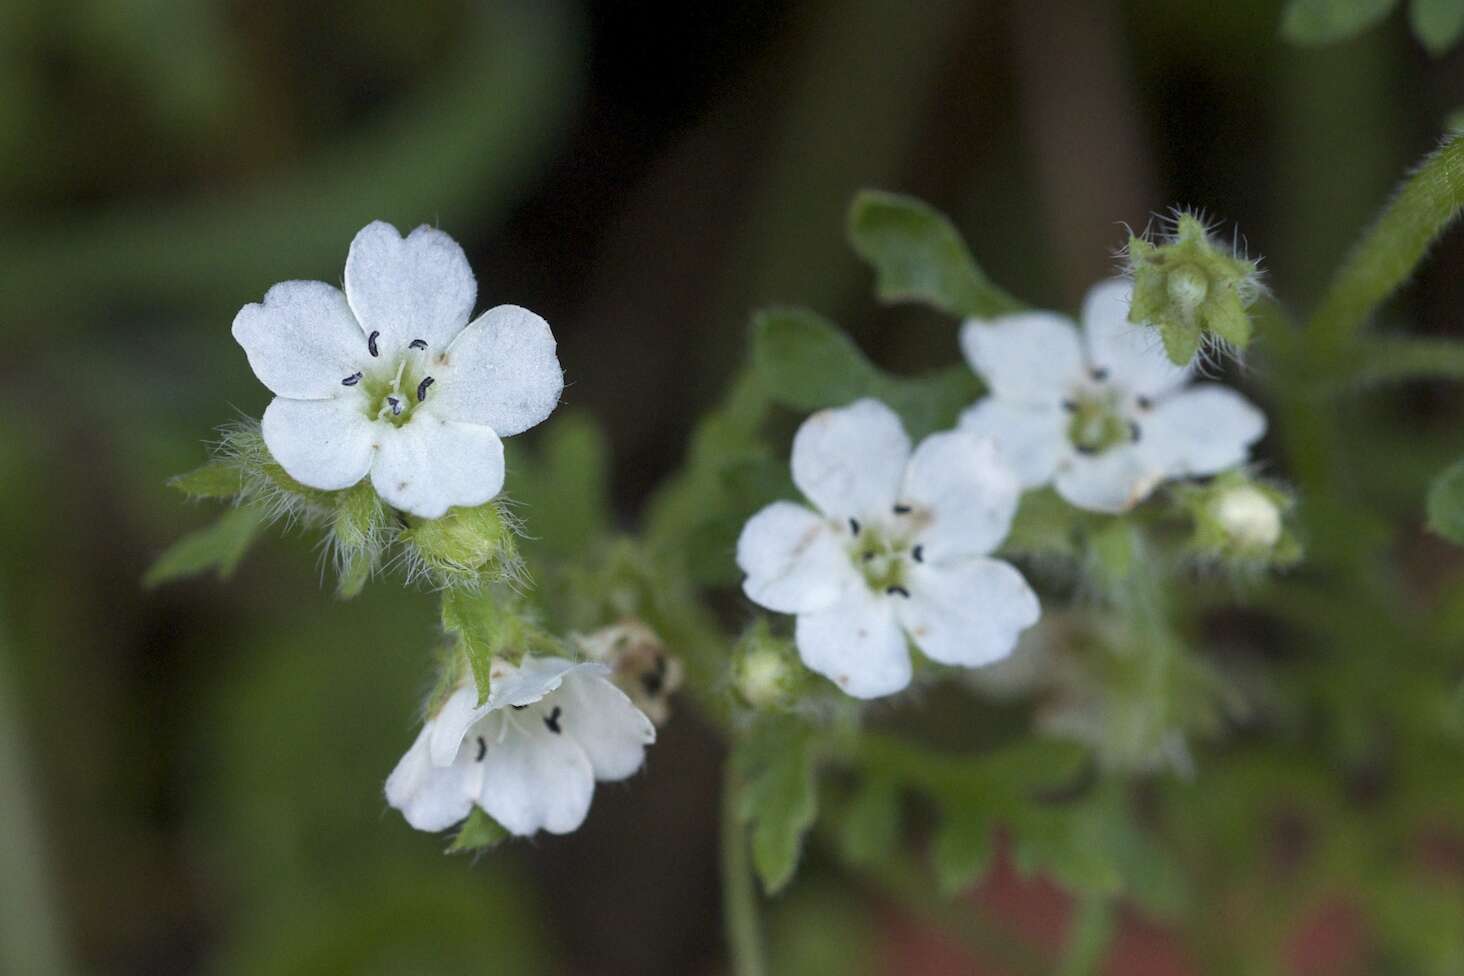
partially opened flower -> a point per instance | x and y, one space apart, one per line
389 378
1104 416
529 756
896 544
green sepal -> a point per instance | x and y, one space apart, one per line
489 624
918 255
1437 24
1446 504
778 800
807 363
477 834
464 547
963 847
1316 22
218 547
216 479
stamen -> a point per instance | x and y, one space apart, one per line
869 556
898 591
1088 449
518 708
351 380
1145 403
854 526
1071 406
1134 431
482 749
371 343
1099 373
918 554
417 344
552 721
422 388
902 509
396 405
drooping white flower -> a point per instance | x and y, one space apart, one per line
529 756
389 378
1104 416
897 546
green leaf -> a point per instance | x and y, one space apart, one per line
778 797
485 628
565 483
919 256
1446 504
807 363
871 826
1069 846
1316 22
218 547
217 479
478 833
1437 23
962 849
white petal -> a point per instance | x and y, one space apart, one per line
536 780
1029 438
609 728
962 495
404 289
1032 357
967 613
429 465
501 372
1132 354
1114 481
302 340
325 444
446 729
431 797
795 561
510 685
1200 431
857 644
848 461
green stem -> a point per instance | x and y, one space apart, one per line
1423 208
739 891
1399 360
1089 935
30 940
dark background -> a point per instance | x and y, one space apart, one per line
194 773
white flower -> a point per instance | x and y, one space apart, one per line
529 756
389 378
1105 417
897 546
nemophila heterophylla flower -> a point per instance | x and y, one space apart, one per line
529 756
389 378
1104 416
896 545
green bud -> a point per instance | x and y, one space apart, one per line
464 547
1241 520
765 669
1191 289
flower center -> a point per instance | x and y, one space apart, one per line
881 553
1096 423
392 396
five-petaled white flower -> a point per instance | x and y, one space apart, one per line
898 546
1105 418
529 756
389 378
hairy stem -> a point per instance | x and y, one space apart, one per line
739 891
1423 208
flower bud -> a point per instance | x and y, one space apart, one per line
766 671
465 546
1240 520
1249 517
1191 289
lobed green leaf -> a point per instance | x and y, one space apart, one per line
218 547
1446 504
778 798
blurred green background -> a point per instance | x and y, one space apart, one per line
193 774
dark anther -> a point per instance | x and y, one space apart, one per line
902 509
1145 403
351 380
869 555
396 405
1087 449
1134 431
1099 373
854 526
654 681
1071 406
371 343
422 388
417 344
552 721
918 554
897 590
482 749
518 708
